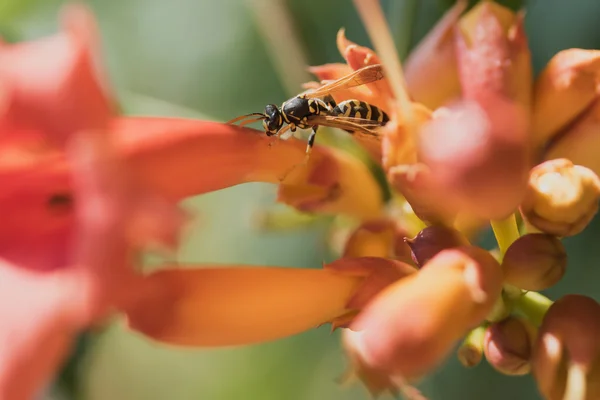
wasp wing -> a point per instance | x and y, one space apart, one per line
359 77
359 125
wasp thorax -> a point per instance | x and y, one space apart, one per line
273 121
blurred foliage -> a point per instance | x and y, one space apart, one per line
207 59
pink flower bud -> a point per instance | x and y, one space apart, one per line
432 240
478 156
412 325
493 56
567 353
535 261
509 344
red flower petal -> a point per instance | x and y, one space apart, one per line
233 305
53 85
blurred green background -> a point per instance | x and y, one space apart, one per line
219 59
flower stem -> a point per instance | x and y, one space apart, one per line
379 32
403 14
410 221
275 24
500 310
274 220
506 232
534 306
470 352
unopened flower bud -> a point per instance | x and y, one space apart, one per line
376 274
432 240
564 92
535 261
579 140
431 69
414 181
470 353
567 353
478 157
412 325
509 345
375 381
493 55
561 198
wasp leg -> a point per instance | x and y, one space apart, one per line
278 135
311 141
286 135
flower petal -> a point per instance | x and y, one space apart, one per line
359 57
37 329
42 311
493 54
333 182
377 274
415 183
184 157
174 155
171 156
65 95
564 90
377 238
568 340
411 326
235 305
479 156
431 69
399 141
37 191
579 141
331 72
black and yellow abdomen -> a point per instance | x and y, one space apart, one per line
360 109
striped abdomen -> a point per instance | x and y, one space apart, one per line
360 109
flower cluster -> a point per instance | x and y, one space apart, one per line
473 141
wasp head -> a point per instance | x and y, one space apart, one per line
273 120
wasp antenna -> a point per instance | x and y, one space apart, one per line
262 116
247 122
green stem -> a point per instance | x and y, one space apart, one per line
411 222
284 47
275 220
470 352
534 306
403 17
506 232
500 310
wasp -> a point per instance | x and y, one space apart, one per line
316 107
